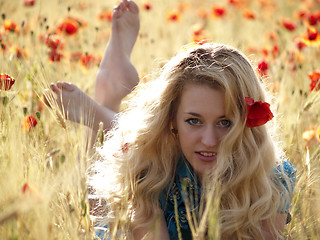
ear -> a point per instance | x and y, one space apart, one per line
173 124
173 127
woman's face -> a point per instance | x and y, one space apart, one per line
201 125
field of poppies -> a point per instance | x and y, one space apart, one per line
43 162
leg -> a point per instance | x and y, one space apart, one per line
117 76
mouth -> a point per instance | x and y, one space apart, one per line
207 156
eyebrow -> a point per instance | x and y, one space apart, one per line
198 115
193 114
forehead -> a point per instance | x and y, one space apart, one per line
202 99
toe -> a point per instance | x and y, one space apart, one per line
123 6
67 86
116 13
54 88
59 84
133 7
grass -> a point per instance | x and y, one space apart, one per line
43 192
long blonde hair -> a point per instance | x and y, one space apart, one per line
143 153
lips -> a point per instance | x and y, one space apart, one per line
206 156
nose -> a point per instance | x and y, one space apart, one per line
209 137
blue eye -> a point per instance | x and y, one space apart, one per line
193 121
225 123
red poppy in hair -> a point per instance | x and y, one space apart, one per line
258 113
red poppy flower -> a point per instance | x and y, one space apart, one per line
70 26
301 14
311 37
249 14
314 80
258 113
263 67
147 6
197 29
29 122
54 41
54 55
300 44
18 52
106 15
288 24
265 52
10 26
312 19
312 33
88 60
28 2
218 11
6 81
173 15
275 50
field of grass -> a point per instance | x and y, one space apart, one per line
43 164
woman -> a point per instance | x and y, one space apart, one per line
191 123
192 139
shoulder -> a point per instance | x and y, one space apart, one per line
285 175
285 172
285 168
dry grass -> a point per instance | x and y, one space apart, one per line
51 157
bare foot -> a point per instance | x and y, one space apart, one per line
77 106
73 103
117 76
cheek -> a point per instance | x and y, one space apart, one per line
182 134
221 133
187 138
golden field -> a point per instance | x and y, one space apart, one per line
43 163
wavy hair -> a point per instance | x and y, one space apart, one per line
142 153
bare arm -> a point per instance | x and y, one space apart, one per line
156 229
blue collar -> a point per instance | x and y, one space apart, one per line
184 190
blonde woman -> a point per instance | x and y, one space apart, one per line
192 139
194 127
